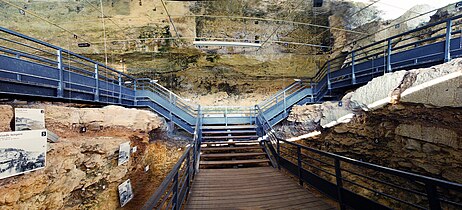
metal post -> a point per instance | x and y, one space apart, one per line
279 153
447 48
328 76
338 177
432 196
353 74
188 170
96 83
135 102
175 191
170 99
120 88
285 106
389 55
60 91
299 160
312 90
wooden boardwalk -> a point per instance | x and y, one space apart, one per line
250 188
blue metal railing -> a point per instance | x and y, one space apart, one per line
174 189
424 46
30 67
357 184
361 185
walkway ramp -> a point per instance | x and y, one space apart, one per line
250 188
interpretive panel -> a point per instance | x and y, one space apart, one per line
124 153
22 151
29 119
125 192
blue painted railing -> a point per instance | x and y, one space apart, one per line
33 68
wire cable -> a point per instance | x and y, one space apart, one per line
44 19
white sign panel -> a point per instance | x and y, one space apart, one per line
125 192
22 151
124 153
29 119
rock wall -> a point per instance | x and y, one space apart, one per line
81 170
408 120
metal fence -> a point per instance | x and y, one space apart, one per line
174 189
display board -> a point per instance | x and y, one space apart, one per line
125 192
124 153
29 119
22 151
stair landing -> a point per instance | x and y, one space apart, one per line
250 188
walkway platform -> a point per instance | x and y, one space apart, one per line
250 188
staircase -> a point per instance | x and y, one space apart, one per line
231 146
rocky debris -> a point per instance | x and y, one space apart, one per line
81 170
408 120
6 117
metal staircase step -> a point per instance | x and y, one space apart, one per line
228 131
230 142
232 155
228 127
233 162
229 148
230 137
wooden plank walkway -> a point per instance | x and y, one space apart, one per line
250 188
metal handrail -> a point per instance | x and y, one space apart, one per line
306 173
174 189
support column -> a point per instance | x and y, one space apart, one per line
447 45
353 74
60 91
328 76
388 56
120 88
96 97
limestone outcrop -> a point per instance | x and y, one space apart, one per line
407 119
81 168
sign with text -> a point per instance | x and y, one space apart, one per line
125 192
29 119
124 153
22 151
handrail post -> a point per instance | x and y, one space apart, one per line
135 102
96 83
170 99
120 88
299 163
432 196
353 74
285 105
312 90
60 91
188 170
328 76
447 48
389 55
175 191
338 177
279 153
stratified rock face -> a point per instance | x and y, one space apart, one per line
100 118
407 119
82 170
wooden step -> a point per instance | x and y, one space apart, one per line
229 148
228 131
233 162
229 127
229 137
230 155
230 142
